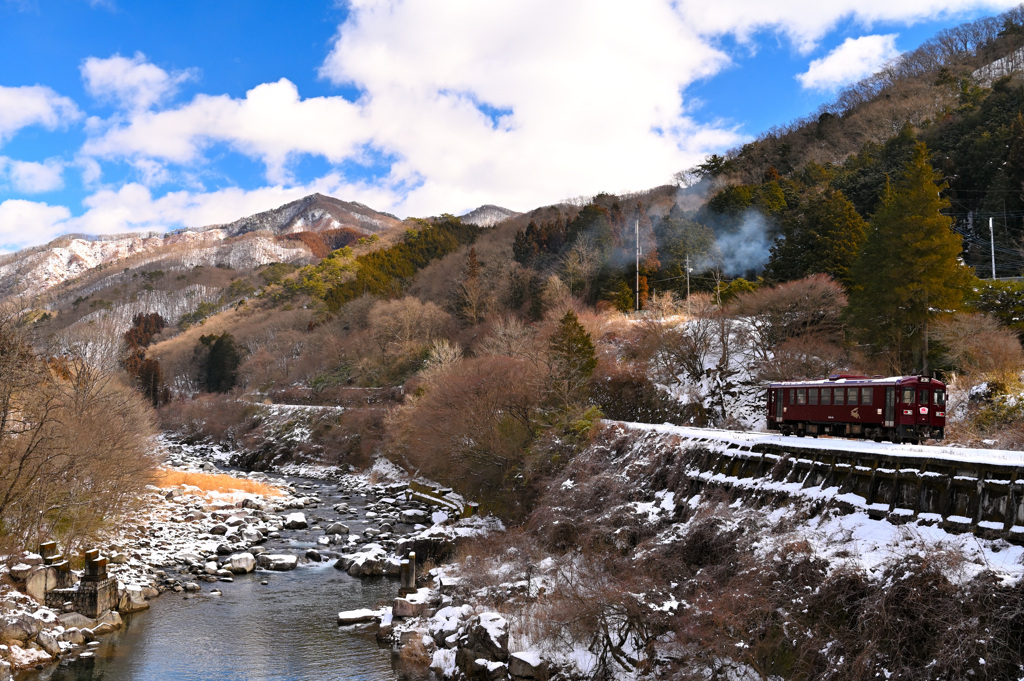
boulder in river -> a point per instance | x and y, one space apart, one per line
296 521
336 528
358 616
278 561
242 563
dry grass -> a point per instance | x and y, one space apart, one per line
210 482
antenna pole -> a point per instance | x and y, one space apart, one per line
687 285
992 236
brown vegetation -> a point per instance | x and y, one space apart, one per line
213 482
75 449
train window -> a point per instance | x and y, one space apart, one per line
812 396
922 397
792 396
851 395
801 396
865 395
840 397
908 396
940 398
826 396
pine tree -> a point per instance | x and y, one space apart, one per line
909 270
572 357
821 236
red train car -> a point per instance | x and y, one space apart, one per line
898 409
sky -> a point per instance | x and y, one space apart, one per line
119 115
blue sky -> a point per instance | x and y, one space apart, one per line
136 116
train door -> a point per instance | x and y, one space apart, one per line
890 406
778 405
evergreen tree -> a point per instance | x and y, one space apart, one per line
909 269
220 369
821 236
572 357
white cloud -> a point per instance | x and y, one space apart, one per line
29 177
805 22
133 83
856 58
21 107
271 123
516 102
23 223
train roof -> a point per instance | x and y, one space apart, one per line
859 380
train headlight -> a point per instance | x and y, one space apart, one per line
940 413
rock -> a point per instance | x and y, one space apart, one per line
335 539
20 571
242 563
413 516
405 608
252 503
314 555
112 618
32 559
21 629
5 671
278 561
251 536
192 586
150 593
73 636
132 600
48 643
76 620
336 528
39 581
527 665
219 528
118 559
295 521
357 616
487 637
102 629
257 550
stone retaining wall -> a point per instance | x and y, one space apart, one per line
984 498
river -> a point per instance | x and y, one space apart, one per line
282 631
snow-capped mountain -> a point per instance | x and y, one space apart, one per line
488 215
248 242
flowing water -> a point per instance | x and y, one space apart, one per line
283 631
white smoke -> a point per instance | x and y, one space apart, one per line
745 248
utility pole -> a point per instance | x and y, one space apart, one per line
992 237
638 265
687 286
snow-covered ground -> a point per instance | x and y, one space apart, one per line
752 438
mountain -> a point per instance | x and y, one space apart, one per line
487 215
314 213
245 243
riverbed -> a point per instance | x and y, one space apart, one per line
281 631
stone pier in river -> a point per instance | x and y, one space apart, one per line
96 592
